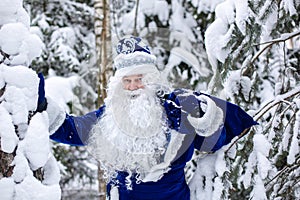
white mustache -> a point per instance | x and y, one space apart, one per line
133 94
156 89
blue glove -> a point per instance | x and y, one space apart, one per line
42 101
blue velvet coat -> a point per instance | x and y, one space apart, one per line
75 131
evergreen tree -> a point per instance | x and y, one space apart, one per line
257 69
244 51
67 30
28 170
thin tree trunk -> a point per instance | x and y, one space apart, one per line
135 18
103 52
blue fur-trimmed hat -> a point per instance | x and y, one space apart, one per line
134 57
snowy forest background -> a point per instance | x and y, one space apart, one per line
244 51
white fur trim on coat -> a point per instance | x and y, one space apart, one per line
212 119
114 193
56 115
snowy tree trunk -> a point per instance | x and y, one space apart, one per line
103 46
103 56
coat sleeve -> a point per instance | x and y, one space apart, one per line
213 121
75 130
236 120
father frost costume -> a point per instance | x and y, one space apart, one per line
144 137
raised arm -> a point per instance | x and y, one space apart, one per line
213 121
65 128
75 130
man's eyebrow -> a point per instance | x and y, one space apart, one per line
138 75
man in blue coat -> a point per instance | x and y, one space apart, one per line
145 132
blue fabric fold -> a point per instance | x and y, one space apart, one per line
171 186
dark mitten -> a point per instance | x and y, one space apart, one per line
42 101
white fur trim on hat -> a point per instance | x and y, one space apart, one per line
135 63
139 69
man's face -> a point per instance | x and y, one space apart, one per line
133 82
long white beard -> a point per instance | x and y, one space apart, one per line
131 134
138 114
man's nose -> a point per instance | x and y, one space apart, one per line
133 86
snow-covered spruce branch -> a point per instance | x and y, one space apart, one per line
287 169
281 114
2 91
235 141
4 56
278 99
284 38
267 107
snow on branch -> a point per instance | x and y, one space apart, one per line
283 38
278 99
286 170
3 56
